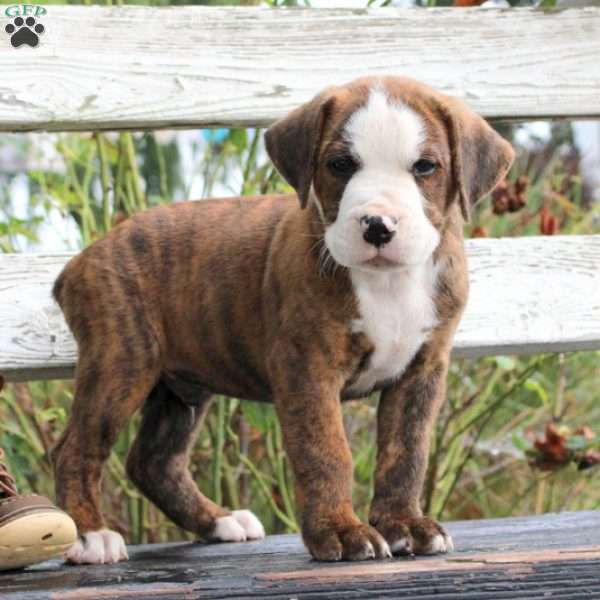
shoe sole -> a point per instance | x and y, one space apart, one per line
34 538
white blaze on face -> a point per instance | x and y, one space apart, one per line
386 138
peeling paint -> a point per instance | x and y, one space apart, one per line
88 102
279 91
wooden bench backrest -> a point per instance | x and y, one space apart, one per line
149 68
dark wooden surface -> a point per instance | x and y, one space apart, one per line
553 556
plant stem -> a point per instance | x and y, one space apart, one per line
105 181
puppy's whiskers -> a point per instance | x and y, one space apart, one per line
327 265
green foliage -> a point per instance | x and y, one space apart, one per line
478 467
478 464
239 458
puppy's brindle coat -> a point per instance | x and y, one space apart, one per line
249 297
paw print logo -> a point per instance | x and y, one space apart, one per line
24 31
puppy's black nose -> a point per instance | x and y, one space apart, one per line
376 231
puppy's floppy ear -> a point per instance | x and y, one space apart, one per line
480 156
293 142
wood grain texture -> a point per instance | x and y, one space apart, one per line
140 67
552 556
35 342
528 295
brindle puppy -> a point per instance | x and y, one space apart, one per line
358 287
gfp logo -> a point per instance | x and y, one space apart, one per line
24 29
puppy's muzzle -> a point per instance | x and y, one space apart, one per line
378 230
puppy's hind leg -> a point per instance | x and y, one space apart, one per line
106 396
158 465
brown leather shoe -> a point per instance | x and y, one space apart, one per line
32 529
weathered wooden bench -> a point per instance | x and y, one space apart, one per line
146 68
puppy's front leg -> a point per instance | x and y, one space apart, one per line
405 419
309 409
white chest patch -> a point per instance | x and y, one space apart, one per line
397 313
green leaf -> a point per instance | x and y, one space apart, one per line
239 139
534 386
49 414
259 415
519 443
506 363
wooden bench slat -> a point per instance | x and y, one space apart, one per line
141 67
528 295
531 295
554 556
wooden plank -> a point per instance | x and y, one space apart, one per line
528 295
35 341
550 556
521 561
132 67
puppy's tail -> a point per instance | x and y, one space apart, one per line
58 287
65 292
62 289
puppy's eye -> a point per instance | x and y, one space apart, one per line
424 167
342 165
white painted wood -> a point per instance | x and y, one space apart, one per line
140 67
528 295
35 342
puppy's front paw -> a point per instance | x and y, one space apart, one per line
239 526
97 547
353 542
416 535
